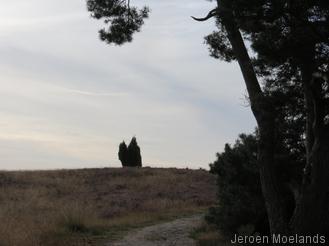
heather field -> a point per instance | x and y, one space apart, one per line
96 206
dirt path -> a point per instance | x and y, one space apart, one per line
174 233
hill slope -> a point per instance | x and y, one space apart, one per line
87 206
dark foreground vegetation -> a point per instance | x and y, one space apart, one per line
93 206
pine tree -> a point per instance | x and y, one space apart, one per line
123 153
134 158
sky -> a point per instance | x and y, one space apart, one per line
67 99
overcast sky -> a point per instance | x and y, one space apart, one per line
67 99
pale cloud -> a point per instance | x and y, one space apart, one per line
95 94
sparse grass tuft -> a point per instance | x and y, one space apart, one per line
75 219
208 235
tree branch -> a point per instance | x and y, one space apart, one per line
211 14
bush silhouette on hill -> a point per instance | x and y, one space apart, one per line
123 153
130 156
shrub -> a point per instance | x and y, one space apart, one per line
123 153
240 197
241 207
130 156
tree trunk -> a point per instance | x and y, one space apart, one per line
265 116
312 211
311 216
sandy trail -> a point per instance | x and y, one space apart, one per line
174 233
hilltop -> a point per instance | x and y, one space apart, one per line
91 206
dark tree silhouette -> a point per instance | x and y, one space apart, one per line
123 154
134 158
122 19
130 156
290 38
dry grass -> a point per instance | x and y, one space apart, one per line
209 235
85 207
